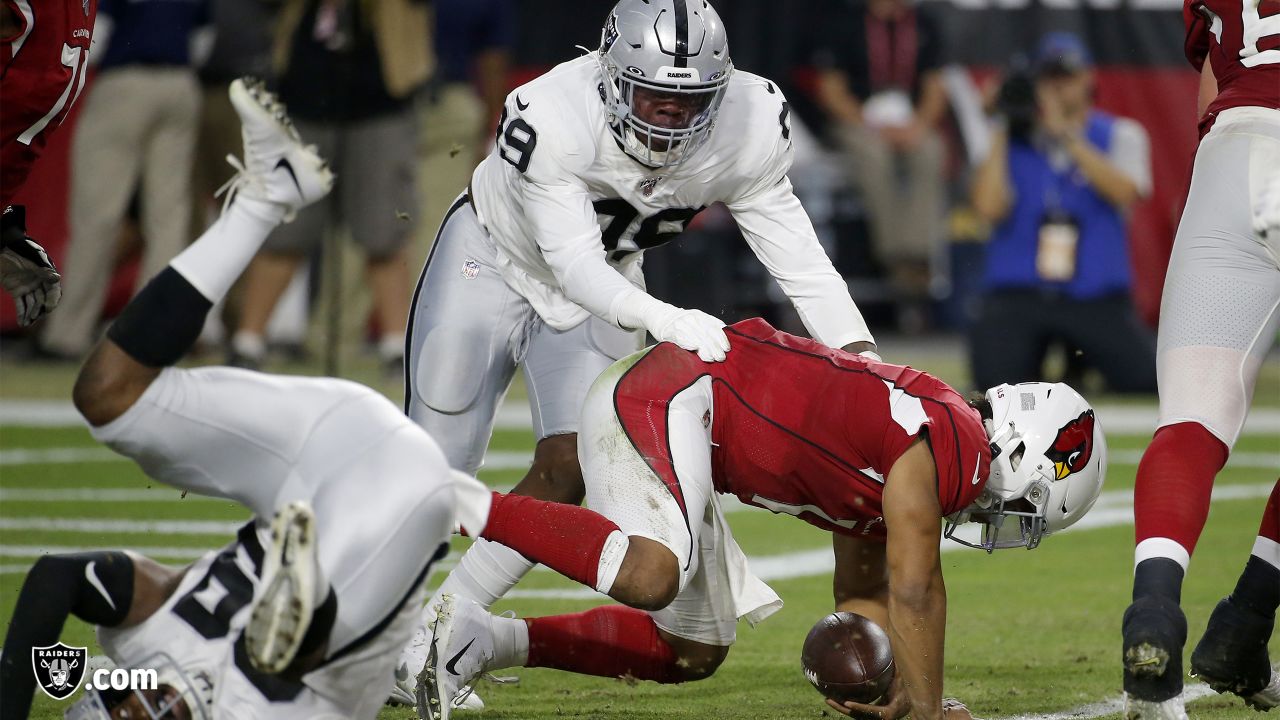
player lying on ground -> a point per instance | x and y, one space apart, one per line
305 622
538 264
44 57
878 454
1219 316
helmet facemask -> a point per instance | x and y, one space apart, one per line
1048 461
664 70
181 695
1008 520
690 104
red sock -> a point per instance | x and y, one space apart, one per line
1270 528
610 641
565 538
1175 480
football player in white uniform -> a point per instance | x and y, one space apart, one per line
538 263
303 621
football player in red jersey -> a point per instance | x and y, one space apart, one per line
44 57
1218 318
878 454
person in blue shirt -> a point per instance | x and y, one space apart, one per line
1057 187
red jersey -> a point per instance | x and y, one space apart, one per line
43 73
803 429
1241 39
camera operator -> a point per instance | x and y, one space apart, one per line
1056 187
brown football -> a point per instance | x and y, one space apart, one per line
847 657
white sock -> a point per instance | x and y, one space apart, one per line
391 346
1158 547
610 562
1267 550
485 573
218 257
250 344
510 642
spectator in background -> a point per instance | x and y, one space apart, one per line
880 84
473 40
348 70
241 47
137 132
1057 187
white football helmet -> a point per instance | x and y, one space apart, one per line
182 693
1048 463
675 50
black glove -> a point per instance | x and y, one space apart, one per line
26 271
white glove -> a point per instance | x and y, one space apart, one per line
26 271
690 329
694 330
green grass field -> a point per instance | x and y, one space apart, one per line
1029 633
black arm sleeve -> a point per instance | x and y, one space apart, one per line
96 587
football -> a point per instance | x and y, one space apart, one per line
847 657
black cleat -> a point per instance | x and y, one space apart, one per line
1154 632
1231 657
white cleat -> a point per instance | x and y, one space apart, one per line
413 658
1268 697
460 651
1171 709
282 612
277 166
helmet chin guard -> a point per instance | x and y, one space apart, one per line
672 48
1048 464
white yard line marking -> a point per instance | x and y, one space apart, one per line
153 551
1240 459
58 455
514 415
159 493
516 459
1190 692
1114 508
149 527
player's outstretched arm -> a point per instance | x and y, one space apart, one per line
917 596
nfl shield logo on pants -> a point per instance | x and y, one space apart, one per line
59 668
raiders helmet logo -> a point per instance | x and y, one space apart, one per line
59 669
1073 446
610 35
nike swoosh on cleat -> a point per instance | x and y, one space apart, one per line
521 106
92 577
284 163
977 465
451 666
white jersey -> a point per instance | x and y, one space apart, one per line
199 627
571 213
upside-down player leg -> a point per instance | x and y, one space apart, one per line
657 545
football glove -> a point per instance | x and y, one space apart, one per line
694 330
26 271
690 329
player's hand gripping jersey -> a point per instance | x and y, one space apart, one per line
44 67
572 213
1241 41
814 436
